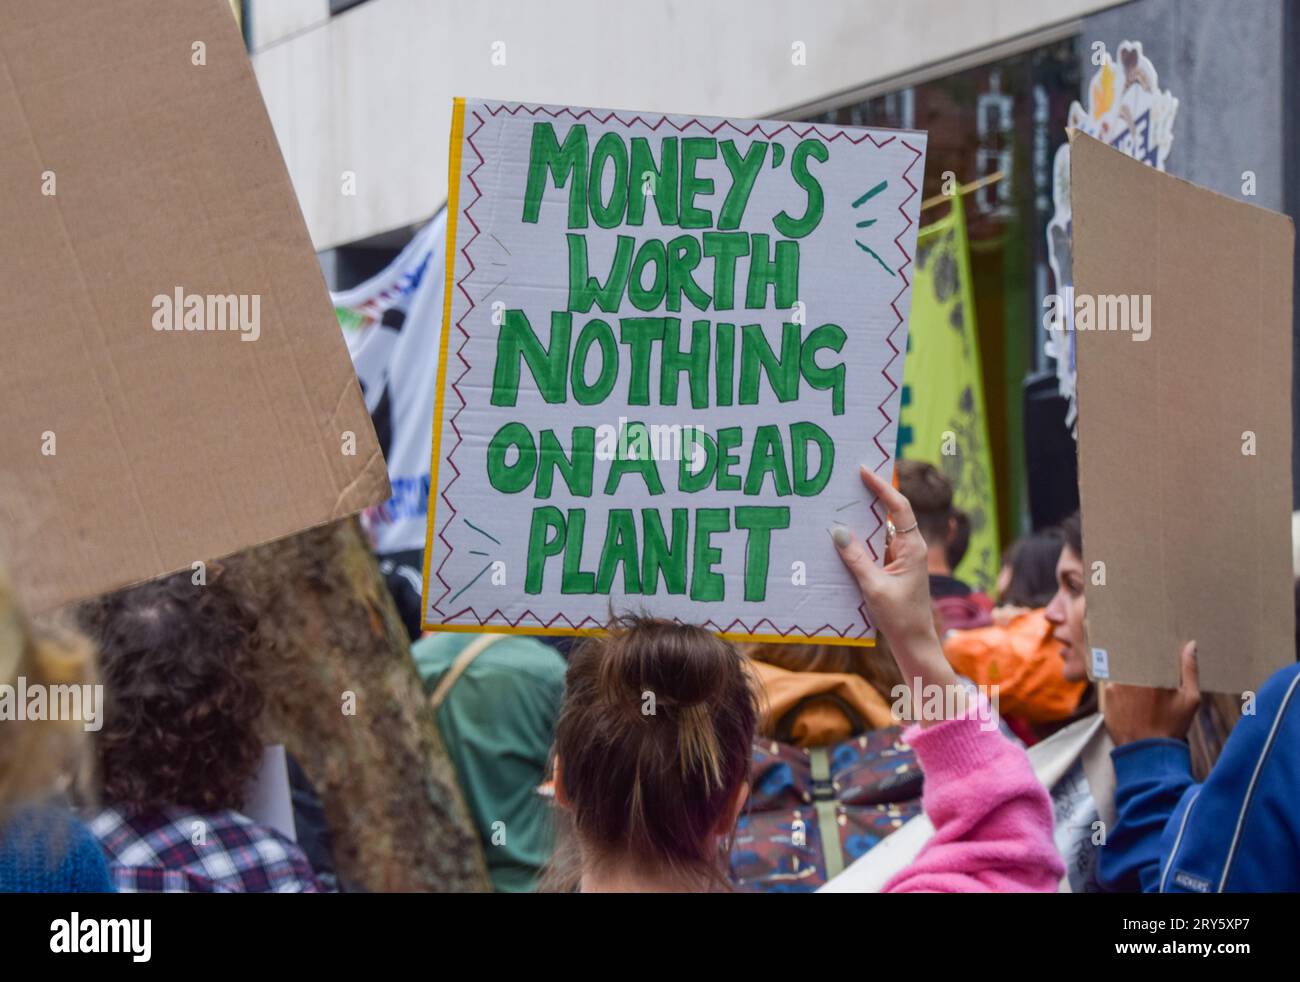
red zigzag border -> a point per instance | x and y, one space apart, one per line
515 109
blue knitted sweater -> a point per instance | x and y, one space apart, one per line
46 850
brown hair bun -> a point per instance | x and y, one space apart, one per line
654 743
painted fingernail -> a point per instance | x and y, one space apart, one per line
840 536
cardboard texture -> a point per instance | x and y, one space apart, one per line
129 451
1185 437
635 300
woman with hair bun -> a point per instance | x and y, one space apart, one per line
652 749
652 757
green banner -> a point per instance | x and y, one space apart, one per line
942 419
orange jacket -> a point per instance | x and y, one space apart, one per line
817 723
1023 660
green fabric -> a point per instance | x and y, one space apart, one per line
828 826
498 724
941 414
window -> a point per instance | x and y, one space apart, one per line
1008 116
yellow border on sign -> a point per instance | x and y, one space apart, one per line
587 632
453 212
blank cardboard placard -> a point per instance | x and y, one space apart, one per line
1184 437
139 161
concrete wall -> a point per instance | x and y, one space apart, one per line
370 91
1222 59
273 21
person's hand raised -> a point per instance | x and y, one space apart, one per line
897 594
1135 712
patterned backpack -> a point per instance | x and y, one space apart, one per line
813 811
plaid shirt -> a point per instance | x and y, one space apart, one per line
176 850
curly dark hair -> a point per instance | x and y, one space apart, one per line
180 723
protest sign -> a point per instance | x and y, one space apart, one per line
174 387
1182 322
668 344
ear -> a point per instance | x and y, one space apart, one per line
731 814
561 796
952 528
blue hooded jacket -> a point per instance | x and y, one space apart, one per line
1238 831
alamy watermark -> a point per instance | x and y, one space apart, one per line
36 702
932 703
654 441
102 935
181 311
1099 312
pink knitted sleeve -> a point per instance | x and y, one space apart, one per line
992 818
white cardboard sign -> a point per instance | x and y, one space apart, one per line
668 344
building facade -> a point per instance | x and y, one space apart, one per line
360 94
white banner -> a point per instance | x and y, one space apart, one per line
393 326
